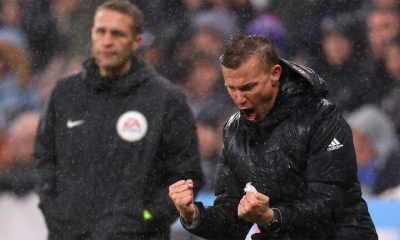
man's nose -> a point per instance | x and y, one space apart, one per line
240 98
107 39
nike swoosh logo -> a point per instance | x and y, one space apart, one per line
72 124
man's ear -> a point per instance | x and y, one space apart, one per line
137 42
276 71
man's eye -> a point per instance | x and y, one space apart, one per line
247 88
118 34
230 89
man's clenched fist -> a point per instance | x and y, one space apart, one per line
181 193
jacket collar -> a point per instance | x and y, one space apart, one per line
137 75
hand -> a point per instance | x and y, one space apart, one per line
254 207
181 193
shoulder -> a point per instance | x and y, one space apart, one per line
68 83
322 115
172 91
329 123
158 82
165 84
327 110
313 108
318 116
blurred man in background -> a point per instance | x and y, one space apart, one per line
112 138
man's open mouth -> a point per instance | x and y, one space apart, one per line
249 114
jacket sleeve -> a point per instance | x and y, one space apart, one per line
221 220
178 158
331 167
45 151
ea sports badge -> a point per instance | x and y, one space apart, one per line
132 126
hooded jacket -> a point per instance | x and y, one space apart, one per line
301 156
108 148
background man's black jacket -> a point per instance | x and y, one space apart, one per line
97 185
289 156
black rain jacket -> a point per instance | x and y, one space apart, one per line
301 156
95 184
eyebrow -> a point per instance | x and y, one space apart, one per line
243 86
247 86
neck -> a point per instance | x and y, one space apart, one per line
274 95
271 104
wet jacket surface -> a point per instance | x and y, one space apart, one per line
302 157
103 183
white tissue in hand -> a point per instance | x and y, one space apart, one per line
250 188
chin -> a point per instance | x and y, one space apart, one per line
107 64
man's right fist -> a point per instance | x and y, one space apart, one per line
181 193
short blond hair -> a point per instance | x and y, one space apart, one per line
127 8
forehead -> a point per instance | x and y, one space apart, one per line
379 18
113 19
245 74
334 36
